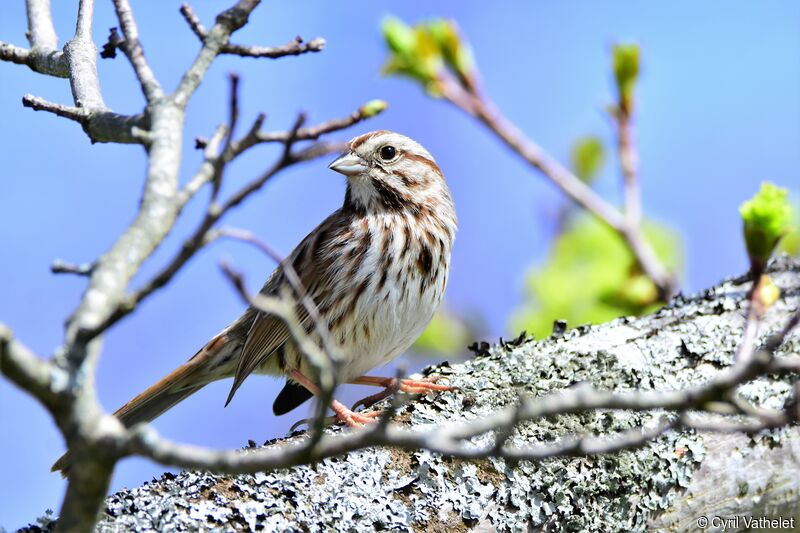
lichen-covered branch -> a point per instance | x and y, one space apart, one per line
655 385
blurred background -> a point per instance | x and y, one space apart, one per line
718 111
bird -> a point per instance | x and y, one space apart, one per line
376 269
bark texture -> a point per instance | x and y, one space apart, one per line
666 485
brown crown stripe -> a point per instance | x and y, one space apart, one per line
361 139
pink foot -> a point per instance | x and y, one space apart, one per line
408 386
352 418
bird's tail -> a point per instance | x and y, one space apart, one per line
178 385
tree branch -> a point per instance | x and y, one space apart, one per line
226 24
458 439
133 50
81 56
62 267
15 54
629 162
44 56
470 100
295 47
30 373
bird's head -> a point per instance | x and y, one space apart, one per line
387 171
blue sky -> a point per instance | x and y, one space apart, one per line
719 111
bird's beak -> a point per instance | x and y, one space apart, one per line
349 164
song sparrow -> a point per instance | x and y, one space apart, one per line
376 269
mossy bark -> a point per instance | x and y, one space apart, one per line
666 485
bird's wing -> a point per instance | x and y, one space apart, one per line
268 333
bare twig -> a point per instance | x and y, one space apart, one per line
227 23
295 47
40 104
233 118
322 361
43 57
133 50
328 345
62 267
28 371
81 56
472 101
629 162
15 54
205 173
193 244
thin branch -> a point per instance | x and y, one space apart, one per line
133 50
470 100
99 124
629 162
325 361
43 56
79 64
26 370
292 276
313 132
41 32
233 118
195 242
71 112
295 47
194 21
226 24
15 54
322 361
206 171
62 267
81 56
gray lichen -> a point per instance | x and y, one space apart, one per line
684 344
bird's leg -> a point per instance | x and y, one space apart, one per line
349 417
408 386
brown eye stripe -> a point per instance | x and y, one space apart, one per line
407 180
423 160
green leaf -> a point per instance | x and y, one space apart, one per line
588 156
399 36
413 52
626 71
427 50
454 50
590 276
767 217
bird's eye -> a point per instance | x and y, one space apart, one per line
388 153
